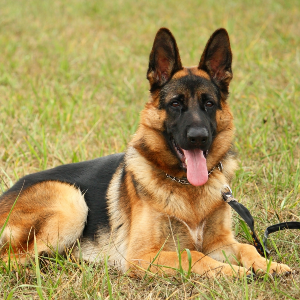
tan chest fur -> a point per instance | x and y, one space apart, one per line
179 209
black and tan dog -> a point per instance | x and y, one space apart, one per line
135 206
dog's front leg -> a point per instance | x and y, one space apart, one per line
250 258
245 255
219 243
167 262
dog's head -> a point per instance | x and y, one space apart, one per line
187 111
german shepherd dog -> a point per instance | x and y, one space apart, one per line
137 206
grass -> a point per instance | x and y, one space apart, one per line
72 84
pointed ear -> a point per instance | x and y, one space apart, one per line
217 58
164 59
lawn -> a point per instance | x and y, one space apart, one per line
72 84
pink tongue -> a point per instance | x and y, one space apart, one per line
196 167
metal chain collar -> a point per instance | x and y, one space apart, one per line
185 181
219 166
182 180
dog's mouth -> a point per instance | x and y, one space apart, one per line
194 161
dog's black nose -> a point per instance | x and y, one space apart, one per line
197 137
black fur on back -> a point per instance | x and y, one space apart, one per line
91 177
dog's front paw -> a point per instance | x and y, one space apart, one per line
274 268
277 268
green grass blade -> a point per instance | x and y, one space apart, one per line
37 271
109 287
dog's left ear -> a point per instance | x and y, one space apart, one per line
217 58
164 59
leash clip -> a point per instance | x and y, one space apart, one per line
226 193
226 186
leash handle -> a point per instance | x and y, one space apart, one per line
246 216
277 227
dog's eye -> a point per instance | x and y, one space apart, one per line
175 104
209 104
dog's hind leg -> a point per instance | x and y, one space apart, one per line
53 212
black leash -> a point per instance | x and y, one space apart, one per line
245 214
247 217
277 227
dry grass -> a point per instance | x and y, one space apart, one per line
72 83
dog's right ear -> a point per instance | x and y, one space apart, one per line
164 59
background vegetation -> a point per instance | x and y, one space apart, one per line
72 84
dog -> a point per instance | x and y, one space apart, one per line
137 207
